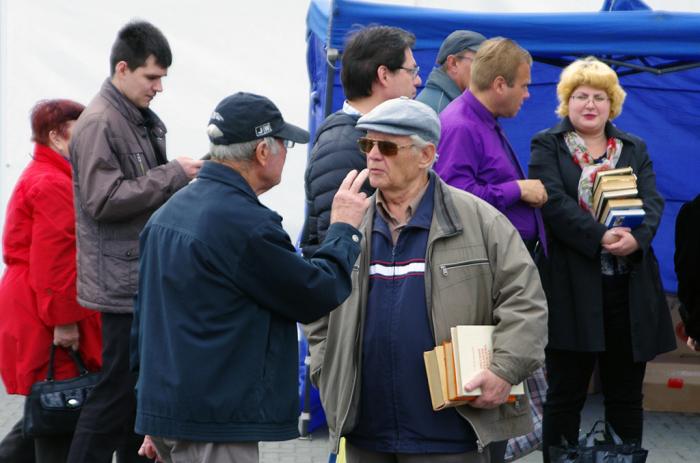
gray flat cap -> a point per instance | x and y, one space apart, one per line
403 116
457 42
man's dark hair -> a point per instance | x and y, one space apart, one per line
366 50
138 40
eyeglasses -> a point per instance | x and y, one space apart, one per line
412 71
584 98
289 144
387 148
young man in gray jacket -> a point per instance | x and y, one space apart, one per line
432 257
120 176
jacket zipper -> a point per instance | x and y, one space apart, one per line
140 160
445 267
354 377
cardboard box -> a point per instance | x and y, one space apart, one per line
673 385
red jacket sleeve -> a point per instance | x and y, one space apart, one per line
52 271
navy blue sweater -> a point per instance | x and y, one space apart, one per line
220 289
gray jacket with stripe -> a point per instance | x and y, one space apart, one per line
478 272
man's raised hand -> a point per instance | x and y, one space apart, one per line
349 203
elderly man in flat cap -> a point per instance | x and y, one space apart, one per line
220 289
452 75
432 257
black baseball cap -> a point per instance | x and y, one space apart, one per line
244 117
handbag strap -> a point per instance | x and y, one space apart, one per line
74 354
607 431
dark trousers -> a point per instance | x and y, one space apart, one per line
52 449
106 422
569 372
15 448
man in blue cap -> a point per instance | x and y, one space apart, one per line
433 257
220 289
452 76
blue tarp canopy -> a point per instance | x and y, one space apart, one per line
656 54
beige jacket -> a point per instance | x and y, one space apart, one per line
478 272
118 182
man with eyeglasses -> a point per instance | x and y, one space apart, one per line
454 59
432 257
220 289
377 65
476 156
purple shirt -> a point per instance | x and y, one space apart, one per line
475 156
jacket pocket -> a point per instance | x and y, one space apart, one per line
452 273
119 266
132 159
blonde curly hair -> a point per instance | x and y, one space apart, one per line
594 73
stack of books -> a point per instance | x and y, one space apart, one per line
615 202
451 365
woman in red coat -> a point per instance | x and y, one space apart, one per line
37 293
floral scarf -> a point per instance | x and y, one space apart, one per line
589 166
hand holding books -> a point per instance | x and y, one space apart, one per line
458 371
619 241
494 390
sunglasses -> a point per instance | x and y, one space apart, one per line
387 148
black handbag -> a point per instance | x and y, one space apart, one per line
52 407
609 449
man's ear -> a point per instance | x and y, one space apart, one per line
427 155
383 73
499 84
120 68
262 153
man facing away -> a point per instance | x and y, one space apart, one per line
377 65
120 176
451 78
221 287
433 257
476 156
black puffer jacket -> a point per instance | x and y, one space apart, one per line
335 153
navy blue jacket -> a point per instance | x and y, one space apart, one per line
220 290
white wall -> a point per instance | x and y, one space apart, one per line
60 49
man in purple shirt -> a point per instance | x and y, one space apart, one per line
474 153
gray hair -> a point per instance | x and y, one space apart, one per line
241 152
419 143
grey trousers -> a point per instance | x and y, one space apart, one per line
179 451
355 454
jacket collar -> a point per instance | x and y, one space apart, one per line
610 130
128 109
440 80
217 172
43 153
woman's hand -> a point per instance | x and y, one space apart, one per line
625 244
693 344
67 336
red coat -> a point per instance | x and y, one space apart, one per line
37 291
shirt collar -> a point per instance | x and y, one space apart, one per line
479 109
350 109
411 208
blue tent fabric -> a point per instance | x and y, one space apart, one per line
661 107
